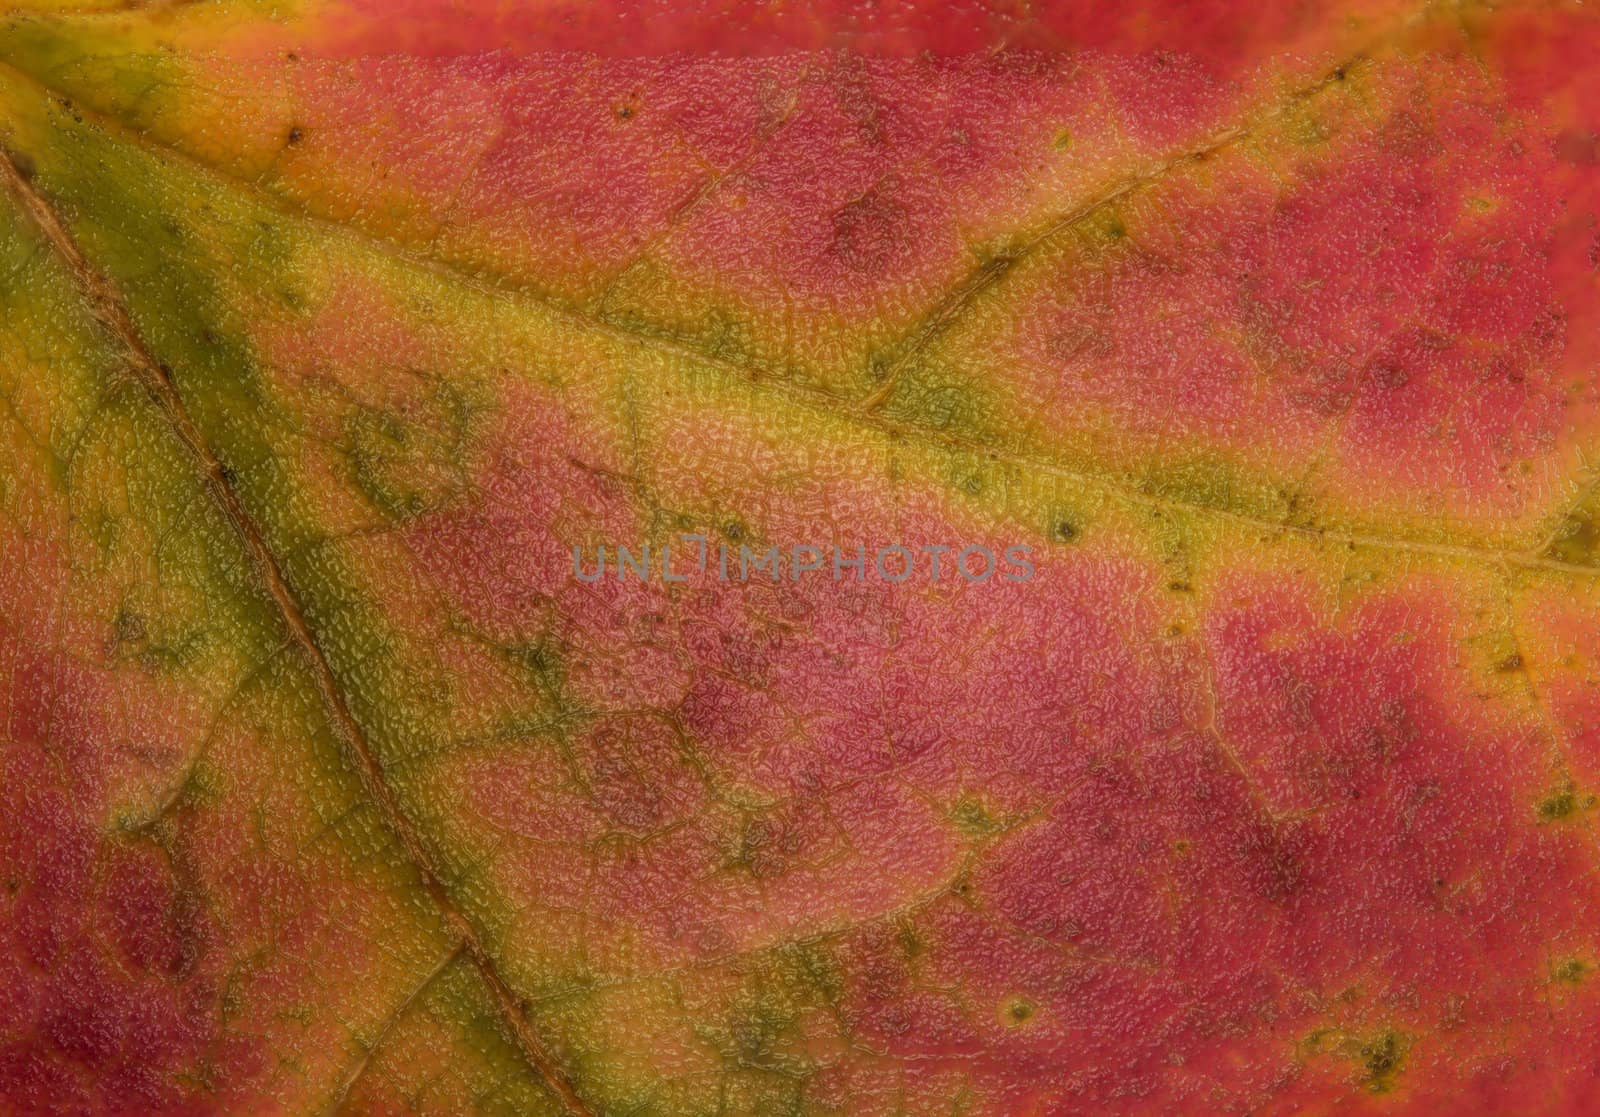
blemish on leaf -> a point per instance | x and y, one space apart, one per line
1390 375
409 460
1577 542
1104 228
1570 971
1017 1011
128 627
911 944
1564 802
936 407
1382 1057
22 161
973 819
870 231
1379 1057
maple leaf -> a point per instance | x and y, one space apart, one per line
1265 336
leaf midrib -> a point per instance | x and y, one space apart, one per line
866 414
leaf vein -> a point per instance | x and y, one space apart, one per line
107 307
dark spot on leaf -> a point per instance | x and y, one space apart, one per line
1571 971
295 135
1512 662
1578 541
1389 375
870 231
1564 802
23 163
1103 228
971 817
1381 1057
1064 531
1557 805
128 626
1016 1011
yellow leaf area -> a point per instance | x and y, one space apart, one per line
328 333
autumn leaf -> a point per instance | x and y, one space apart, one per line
340 340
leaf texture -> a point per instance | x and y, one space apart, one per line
331 329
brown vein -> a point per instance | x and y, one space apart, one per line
107 307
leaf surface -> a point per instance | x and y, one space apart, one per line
330 330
